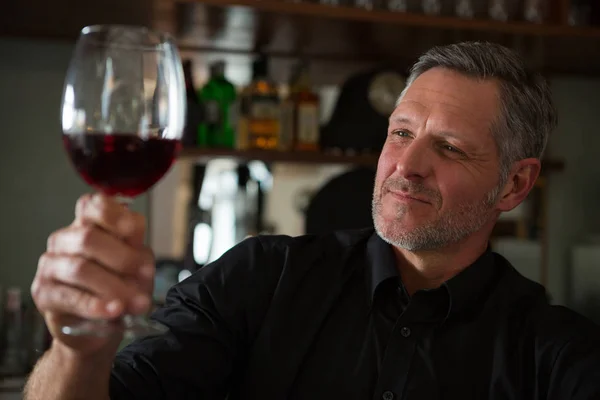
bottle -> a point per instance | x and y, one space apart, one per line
412 6
286 137
306 111
536 11
464 8
194 111
580 12
40 337
397 5
13 361
261 109
218 98
470 8
366 4
503 10
241 139
432 7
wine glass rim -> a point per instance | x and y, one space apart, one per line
156 38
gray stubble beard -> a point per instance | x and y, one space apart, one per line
449 229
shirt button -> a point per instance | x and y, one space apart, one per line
405 331
387 395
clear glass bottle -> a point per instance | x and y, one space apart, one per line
306 111
286 138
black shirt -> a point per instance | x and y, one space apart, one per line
328 317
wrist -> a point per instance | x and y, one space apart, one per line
77 360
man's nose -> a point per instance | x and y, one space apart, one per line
415 160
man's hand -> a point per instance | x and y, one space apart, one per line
96 268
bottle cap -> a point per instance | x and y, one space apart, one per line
217 68
260 67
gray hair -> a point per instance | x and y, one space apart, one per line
527 114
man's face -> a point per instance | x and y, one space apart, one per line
438 173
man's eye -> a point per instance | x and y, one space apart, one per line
400 133
451 148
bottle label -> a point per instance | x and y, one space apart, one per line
287 125
308 124
213 112
264 125
264 109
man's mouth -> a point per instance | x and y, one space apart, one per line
407 197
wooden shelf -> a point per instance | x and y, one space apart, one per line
63 19
235 30
338 41
404 18
306 157
303 157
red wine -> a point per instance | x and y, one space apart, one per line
121 164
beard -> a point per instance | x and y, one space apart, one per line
449 228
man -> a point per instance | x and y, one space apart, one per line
419 309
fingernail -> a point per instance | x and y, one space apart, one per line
113 306
97 198
141 302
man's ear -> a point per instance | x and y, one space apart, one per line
519 183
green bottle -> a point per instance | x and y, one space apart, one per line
219 99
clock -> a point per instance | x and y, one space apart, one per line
384 90
360 117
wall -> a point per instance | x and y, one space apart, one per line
573 194
38 187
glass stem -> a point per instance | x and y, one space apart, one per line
124 200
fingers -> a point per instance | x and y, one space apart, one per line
112 216
58 298
89 268
97 268
95 283
93 243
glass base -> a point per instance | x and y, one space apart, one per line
131 326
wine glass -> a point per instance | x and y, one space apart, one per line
123 114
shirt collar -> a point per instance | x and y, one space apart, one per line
467 288
464 289
381 264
